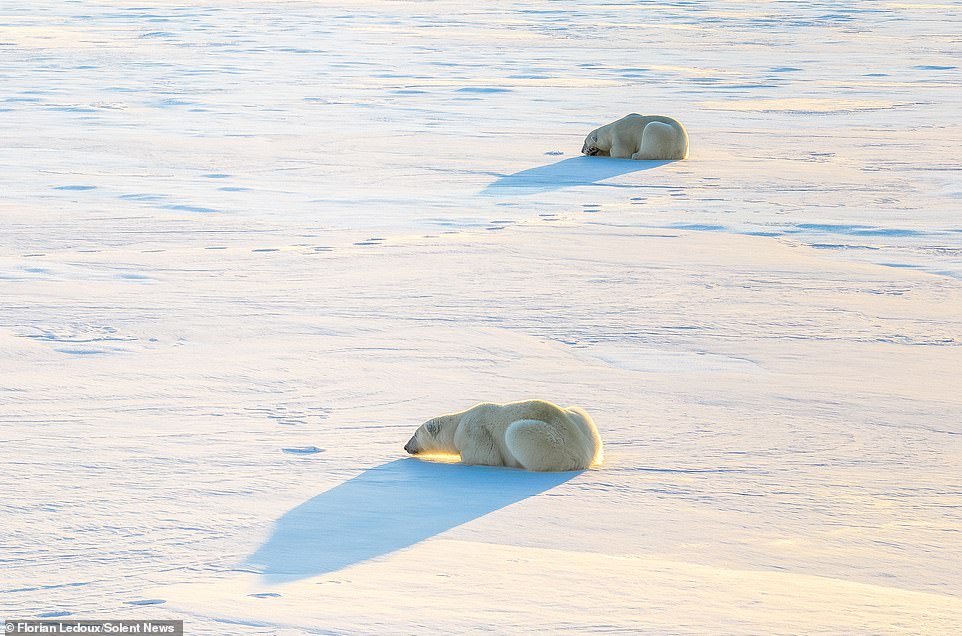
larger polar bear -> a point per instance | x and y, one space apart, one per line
533 434
634 136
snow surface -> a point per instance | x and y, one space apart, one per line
248 247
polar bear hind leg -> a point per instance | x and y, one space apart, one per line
659 142
540 446
579 414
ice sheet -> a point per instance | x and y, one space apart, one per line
248 247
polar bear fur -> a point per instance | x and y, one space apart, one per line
533 434
635 136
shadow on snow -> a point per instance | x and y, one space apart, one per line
387 508
575 171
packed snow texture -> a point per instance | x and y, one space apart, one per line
247 247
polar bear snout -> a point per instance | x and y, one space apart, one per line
412 446
590 146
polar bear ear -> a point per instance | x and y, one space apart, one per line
433 427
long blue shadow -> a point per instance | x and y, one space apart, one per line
387 508
576 171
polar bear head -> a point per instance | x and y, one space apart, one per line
434 436
597 143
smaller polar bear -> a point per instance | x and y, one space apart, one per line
635 136
533 434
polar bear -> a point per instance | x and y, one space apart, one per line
637 136
533 434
